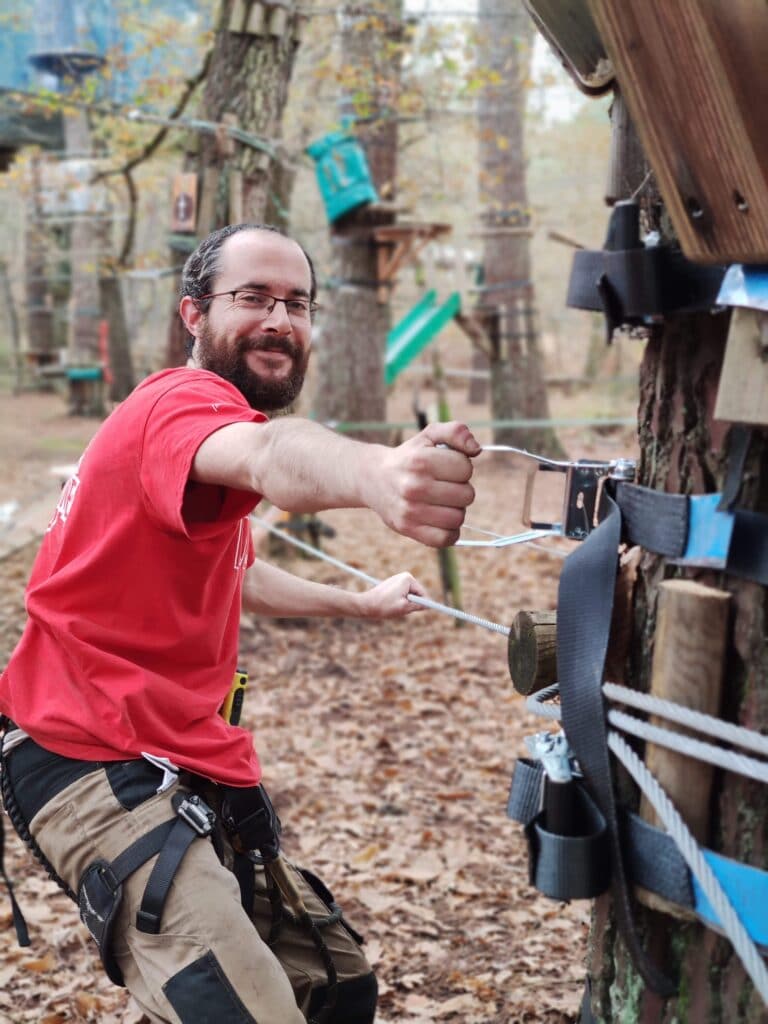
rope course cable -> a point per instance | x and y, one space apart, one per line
691 852
425 602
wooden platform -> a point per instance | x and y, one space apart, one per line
693 74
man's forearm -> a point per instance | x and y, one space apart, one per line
269 590
298 465
419 489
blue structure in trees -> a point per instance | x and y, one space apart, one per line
342 173
115 31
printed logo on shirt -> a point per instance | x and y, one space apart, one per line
66 500
242 546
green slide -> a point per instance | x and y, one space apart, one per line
415 331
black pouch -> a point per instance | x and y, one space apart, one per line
99 896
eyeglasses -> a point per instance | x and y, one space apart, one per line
261 304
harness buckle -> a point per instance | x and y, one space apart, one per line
196 812
585 482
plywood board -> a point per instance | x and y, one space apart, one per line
742 394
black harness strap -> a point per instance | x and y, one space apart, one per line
175 843
585 604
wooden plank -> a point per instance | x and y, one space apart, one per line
693 76
687 667
742 394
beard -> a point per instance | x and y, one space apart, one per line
228 360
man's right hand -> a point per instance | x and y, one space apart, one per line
421 489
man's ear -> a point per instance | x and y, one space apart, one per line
190 314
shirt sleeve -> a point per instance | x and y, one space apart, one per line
178 422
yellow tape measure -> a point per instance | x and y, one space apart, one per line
232 707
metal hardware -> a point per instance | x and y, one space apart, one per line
196 812
584 488
585 482
555 754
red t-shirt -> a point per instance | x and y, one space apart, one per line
134 599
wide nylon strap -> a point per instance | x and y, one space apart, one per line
584 608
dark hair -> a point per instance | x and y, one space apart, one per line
202 265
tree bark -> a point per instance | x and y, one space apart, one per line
518 390
350 358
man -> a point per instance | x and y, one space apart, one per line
114 689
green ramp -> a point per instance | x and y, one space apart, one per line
414 332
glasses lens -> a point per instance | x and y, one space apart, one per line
262 304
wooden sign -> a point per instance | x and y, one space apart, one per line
693 76
184 203
742 394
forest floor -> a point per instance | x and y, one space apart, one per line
387 748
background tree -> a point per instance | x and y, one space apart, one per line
507 309
241 170
350 358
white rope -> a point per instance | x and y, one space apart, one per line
425 602
697 720
690 747
692 855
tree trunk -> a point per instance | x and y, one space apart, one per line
247 88
507 306
350 358
118 343
41 341
684 451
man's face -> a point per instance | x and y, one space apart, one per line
264 357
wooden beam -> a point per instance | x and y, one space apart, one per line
532 651
687 668
693 75
398 244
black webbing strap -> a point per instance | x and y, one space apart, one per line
140 851
22 932
584 607
177 841
653 519
739 440
748 553
653 859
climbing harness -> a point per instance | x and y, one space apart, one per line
99 893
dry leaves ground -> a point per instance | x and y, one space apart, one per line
388 750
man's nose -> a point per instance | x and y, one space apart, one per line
277 319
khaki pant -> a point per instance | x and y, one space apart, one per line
209 962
